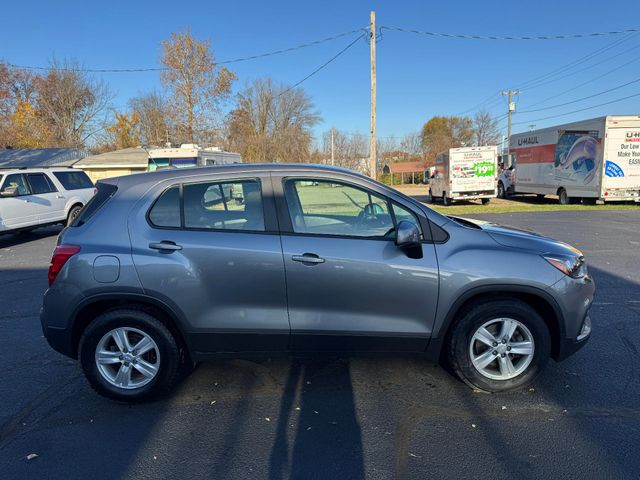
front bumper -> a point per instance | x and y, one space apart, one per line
569 346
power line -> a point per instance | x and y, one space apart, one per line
559 70
321 66
497 37
578 61
583 98
609 72
580 110
160 69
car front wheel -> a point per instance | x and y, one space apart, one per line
129 355
499 345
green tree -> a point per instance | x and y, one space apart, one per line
441 133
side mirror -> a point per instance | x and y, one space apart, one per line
408 239
9 192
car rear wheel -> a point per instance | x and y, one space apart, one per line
129 355
499 345
73 214
501 192
563 198
430 198
445 200
485 201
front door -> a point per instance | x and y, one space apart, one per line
211 250
349 286
20 210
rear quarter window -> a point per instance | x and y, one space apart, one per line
104 192
74 180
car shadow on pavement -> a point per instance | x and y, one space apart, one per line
318 433
8 240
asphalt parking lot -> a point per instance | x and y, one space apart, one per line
335 418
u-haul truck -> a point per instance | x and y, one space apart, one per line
587 160
466 173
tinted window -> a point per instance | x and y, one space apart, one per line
329 208
17 181
40 183
224 205
74 180
104 192
166 211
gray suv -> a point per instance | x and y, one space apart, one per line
164 269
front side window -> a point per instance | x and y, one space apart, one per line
16 181
40 183
328 208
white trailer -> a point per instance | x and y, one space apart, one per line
467 173
580 161
190 155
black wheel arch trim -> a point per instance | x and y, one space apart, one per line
124 297
436 343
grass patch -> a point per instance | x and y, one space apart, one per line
514 207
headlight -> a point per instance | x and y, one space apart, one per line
570 265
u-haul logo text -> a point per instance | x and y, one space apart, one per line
632 137
528 140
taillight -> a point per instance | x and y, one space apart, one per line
61 254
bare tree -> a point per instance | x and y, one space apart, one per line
152 118
272 123
411 143
350 150
72 103
485 129
196 83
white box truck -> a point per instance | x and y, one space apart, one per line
466 173
580 161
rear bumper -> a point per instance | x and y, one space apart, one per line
60 339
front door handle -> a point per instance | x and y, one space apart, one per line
307 258
59 196
165 246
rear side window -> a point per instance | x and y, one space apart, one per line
104 192
235 205
73 180
40 183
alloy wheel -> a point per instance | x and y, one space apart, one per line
127 358
501 349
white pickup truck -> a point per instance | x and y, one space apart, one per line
35 197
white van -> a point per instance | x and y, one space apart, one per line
467 173
34 197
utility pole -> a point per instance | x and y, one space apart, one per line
332 158
510 110
373 167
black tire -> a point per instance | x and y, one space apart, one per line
430 198
563 198
170 357
485 201
475 316
73 214
501 191
445 200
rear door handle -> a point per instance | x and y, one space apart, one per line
307 258
165 246
59 196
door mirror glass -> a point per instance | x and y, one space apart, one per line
10 191
407 234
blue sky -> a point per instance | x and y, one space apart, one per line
418 76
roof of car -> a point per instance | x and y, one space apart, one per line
171 173
7 170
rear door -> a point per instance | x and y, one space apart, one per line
622 157
21 210
50 202
348 286
210 249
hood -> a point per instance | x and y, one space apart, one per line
518 238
